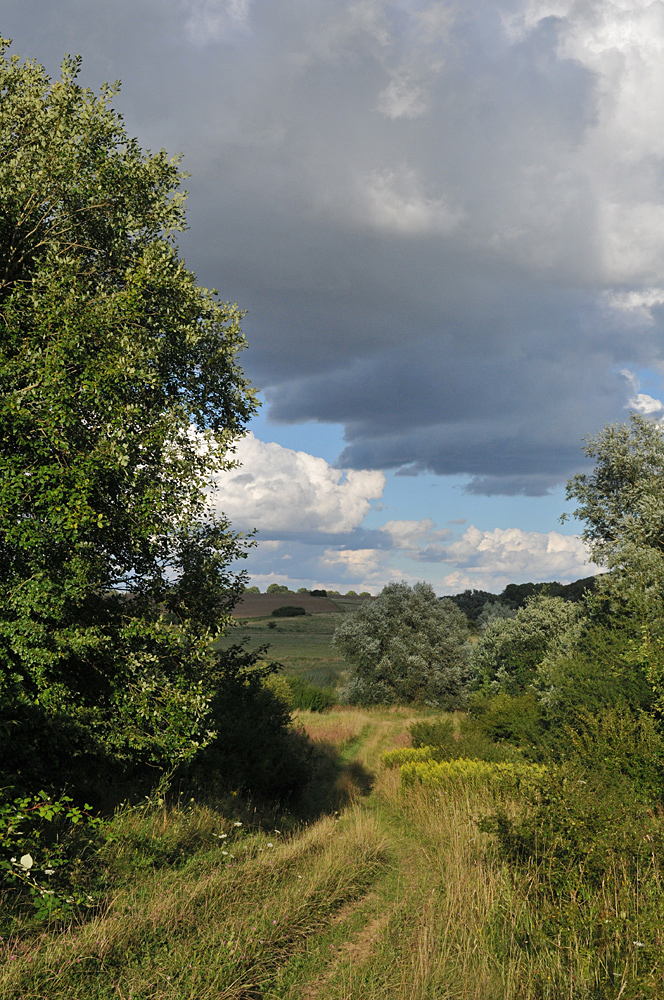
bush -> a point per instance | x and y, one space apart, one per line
516 719
602 670
280 688
579 829
288 611
277 588
620 748
435 732
319 593
470 741
510 650
255 748
309 697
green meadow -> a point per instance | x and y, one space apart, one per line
302 645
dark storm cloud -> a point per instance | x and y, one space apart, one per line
425 208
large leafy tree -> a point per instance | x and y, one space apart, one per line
622 504
120 398
406 646
622 499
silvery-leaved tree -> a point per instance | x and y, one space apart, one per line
120 398
406 645
622 504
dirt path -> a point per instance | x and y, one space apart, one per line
356 955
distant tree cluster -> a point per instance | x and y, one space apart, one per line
475 603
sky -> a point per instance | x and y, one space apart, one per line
445 222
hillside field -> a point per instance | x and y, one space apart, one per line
303 645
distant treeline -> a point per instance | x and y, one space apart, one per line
473 602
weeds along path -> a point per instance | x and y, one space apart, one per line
378 902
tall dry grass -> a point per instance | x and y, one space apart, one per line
215 928
467 926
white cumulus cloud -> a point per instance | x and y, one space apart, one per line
280 490
395 201
641 401
492 559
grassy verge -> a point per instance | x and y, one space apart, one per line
219 926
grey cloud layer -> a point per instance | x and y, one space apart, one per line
423 206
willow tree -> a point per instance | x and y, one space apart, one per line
120 398
406 645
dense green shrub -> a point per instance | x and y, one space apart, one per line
604 669
579 828
510 650
280 688
288 611
620 748
433 732
310 697
516 719
469 741
255 748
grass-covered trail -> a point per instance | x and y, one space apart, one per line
396 896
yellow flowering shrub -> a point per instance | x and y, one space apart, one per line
499 776
408 755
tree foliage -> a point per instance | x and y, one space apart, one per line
510 650
622 503
120 397
622 499
405 646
